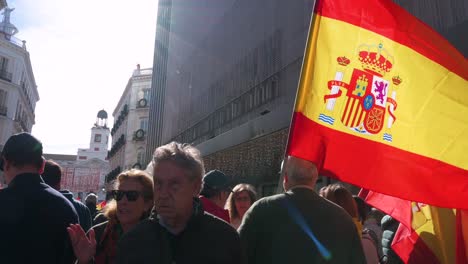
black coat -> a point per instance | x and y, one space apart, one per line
206 239
33 222
82 210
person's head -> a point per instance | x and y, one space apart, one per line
178 172
91 200
297 171
341 196
52 174
22 153
133 197
242 197
216 187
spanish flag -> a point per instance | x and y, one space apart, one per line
426 234
383 103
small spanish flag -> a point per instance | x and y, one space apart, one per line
383 103
426 234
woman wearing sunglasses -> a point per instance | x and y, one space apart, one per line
133 200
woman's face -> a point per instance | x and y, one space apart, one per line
131 205
242 202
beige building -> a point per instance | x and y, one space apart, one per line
18 90
130 124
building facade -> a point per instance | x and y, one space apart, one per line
85 172
226 74
18 89
130 128
82 177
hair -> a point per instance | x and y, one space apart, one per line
184 156
91 199
140 176
299 171
341 196
52 174
230 203
362 207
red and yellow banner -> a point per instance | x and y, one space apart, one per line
383 103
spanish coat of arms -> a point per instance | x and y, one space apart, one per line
368 100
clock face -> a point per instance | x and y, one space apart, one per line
142 102
140 133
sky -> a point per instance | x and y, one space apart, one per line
82 54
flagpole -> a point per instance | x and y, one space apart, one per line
310 36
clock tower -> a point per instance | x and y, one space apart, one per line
99 142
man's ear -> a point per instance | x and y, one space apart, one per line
41 170
6 164
197 187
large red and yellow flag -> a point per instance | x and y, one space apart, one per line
383 103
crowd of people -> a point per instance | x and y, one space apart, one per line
180 214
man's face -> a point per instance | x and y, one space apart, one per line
174 192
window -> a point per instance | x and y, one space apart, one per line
3 64
146 94
96 149
144 124
140 154
3 97
97 138
82 157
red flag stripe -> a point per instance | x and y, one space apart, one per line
399 171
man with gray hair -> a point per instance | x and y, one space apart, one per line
299 226
180 231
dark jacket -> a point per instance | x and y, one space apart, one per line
282 229
33 222
206 239
82 210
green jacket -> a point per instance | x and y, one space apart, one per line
206 239
282 229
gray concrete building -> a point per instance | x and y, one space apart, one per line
226 73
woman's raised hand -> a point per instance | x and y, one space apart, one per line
83 247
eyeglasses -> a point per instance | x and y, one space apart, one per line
131 195
242 199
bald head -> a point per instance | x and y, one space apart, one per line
298 172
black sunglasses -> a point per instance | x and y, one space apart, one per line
131 195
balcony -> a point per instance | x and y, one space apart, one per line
3 110
4 75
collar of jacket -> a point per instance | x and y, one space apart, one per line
197 214
67 194
24 179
